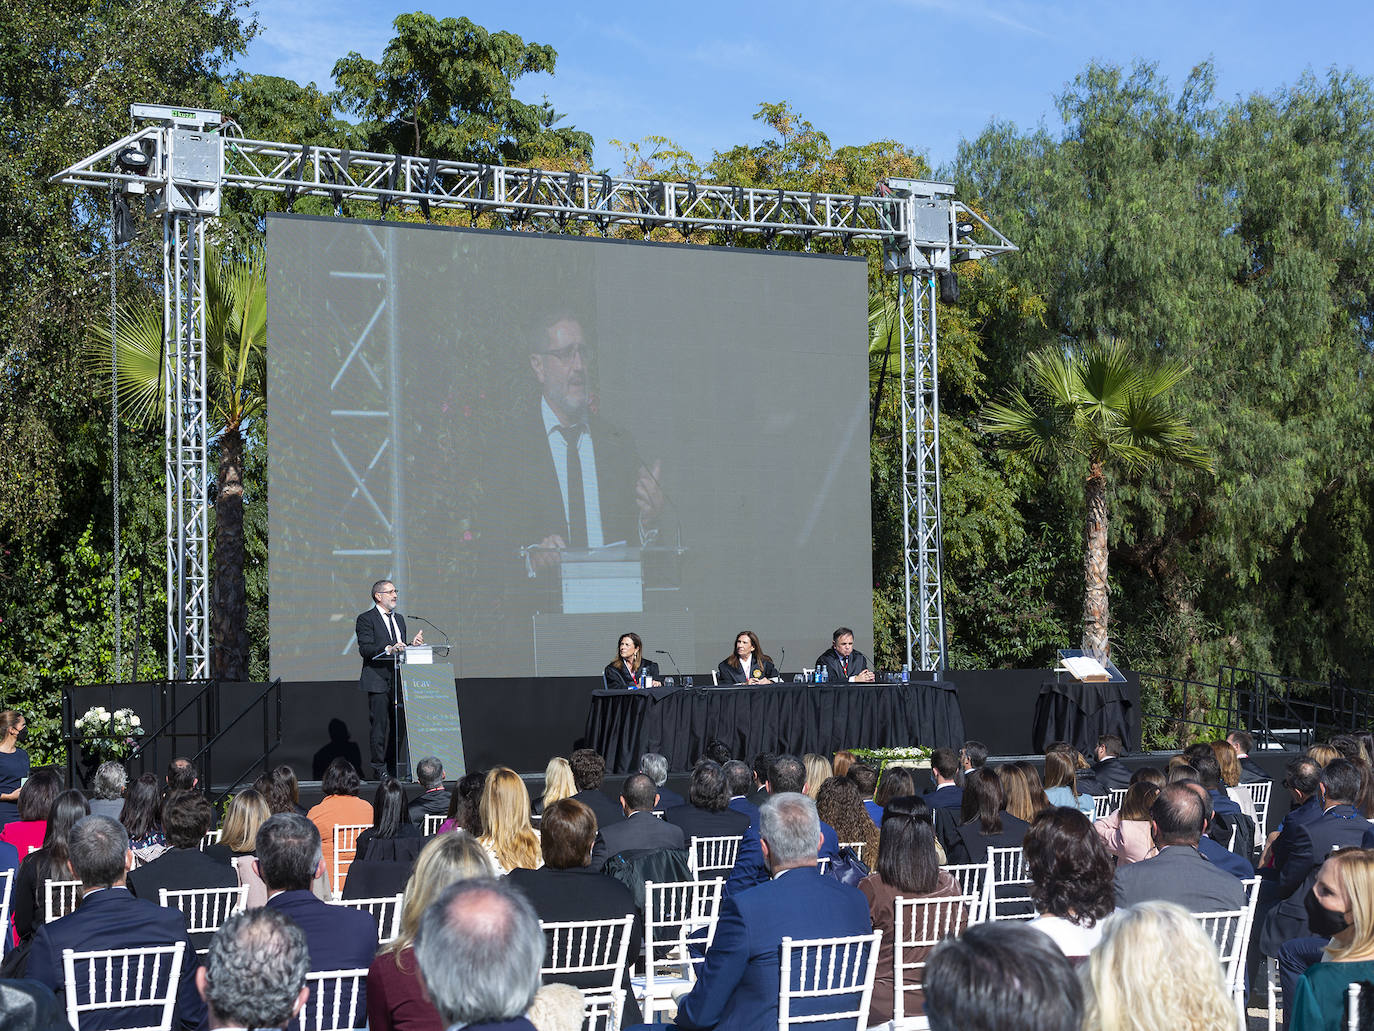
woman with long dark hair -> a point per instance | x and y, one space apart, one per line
907 867
49 863
1126 833
35 800
464 807
839 804
284 777
630 664
392 836
747 664
142 818
983 820
1072 878
1061 783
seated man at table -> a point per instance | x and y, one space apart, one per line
843 664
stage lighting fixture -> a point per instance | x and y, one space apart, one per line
964 230
949 287
133 159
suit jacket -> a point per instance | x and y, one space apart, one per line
730 675
1224 859
607 809
429 803
742 804
620 678
702 823
750 869
839 670
113 918
1179 874
966 842
1297 817
1110 773
337 937
1338 827
637 832
373 637
668 798
949 796
737 987
178 869
1251 771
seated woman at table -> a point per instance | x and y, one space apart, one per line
630 664
747 664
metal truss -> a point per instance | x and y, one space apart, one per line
182 160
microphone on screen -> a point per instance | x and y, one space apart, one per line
665 651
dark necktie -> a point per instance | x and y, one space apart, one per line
391 628
577 504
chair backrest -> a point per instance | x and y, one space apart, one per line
673 912
1116 796
385 910
59 899
920 925
345 846
6 893
973 880
823 864
827 979
205 908
336 1001
1007 892
210 838
433 822
1353 991
1226 929
592 950
710 856
1259 794
857 846
141 983
1102 805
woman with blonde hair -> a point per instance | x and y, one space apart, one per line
558 783
246 812
507 835
818 771
1345 892
1155 967
1322 754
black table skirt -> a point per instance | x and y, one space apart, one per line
679 723
1078 713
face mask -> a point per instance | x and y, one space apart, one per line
1321 920
22 735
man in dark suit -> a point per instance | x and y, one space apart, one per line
589 771
709 815
786 775
739 779
640 829
433 799
381 634
1303 782
944 770
1178 873
186 817
289 859
1109 771
737 988
1213 851
1250 771
655 766
843 664
254 972
110 917
1339 826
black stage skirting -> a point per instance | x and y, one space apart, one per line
1080 713
622 725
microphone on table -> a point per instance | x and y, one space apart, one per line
782 659
665 651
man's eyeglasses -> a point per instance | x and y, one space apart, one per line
567 354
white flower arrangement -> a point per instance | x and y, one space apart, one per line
109 733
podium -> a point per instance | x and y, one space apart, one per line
430 704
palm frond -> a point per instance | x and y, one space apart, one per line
138 362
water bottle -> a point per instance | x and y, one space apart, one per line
643 680
824 673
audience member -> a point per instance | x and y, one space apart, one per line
1322 753
1212 850
655 766
1001 976
1022 802
818 770
289 858
1344 892
982 820
284 777
107 789
1339 825
641 829
49 863
865 778
843 759
763 762
433 799
1303 781
392 837
708 814
1156 967
589 771
944 774
738 982
1126 833
340 806
142 818
1244 744
839 804
1109 771
35 800
1231 780
1179 873
507 835
247 811
14 763
786 775
738 780
186 815
972 756
464 806
181 776
254 972
26 1005
558 783
896 782
1061 784
717 751
1228 823
1071 879
109 918
395 999
905 866
274 793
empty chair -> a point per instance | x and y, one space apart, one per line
386 911
673 913
132 988
713 856
333 1003
826 979
584 952
205 909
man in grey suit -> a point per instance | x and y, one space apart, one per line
640 829
1179 873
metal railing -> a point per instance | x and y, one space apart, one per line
269 743
1280 709
1184 710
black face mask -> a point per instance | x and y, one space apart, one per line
1321 920
22 735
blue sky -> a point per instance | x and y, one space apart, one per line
925 72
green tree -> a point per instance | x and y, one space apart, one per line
1102 408
444 89
236 389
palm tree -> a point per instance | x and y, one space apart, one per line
236 385
1101 406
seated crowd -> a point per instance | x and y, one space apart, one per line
1097 930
